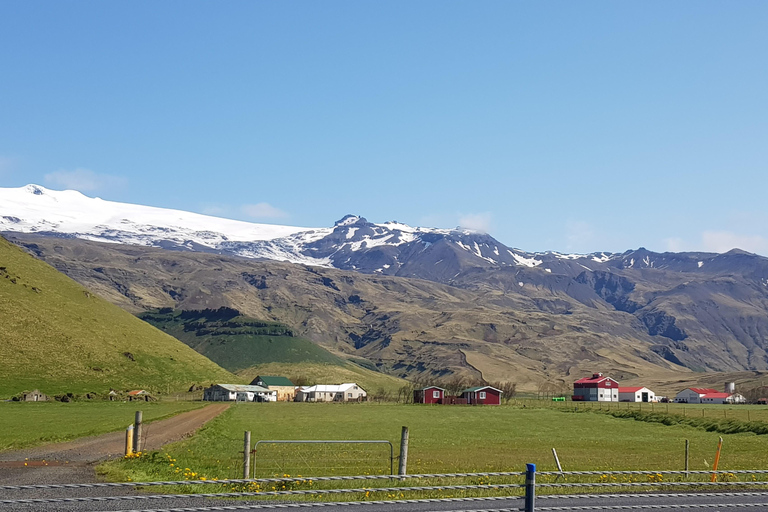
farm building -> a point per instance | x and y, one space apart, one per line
34 396
482 395
349 392
723 398
239 392
428 395
596 388
636 394
286 390
693 395
140 395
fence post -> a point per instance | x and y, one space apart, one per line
530 487
137 432
247 454
403 465
687 448
129 440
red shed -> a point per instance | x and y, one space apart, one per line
428 395
482 395
596 388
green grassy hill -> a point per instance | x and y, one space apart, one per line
252 347
57 336
237 342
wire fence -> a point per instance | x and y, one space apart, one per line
518 487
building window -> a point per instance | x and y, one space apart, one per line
349 395
482 395
435 394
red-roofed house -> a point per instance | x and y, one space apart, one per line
693 395
723 398
636 394
596 388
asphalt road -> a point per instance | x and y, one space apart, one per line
146 502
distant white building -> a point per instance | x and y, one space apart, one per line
349 392
636 394
239 392
708 396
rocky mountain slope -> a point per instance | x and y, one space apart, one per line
416 301
485 324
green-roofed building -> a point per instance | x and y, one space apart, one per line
286 390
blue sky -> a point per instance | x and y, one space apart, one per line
559 125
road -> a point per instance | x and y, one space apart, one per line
146 503
74 461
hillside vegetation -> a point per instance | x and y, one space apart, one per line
60 337
237 342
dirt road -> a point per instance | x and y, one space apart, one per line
73 461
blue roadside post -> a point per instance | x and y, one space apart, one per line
530 487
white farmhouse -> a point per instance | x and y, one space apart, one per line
349 392
239 392
708 396
723 398
636 394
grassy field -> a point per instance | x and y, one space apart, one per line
720 412
28 424
447 439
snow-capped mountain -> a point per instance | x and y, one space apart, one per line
353 243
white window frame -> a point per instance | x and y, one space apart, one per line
482 395
436 394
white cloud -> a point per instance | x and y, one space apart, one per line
6 164
720 242
83 180
476 221
215 210
724 241
579 235
262 211
675 244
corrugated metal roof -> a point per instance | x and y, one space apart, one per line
631 389
478 388
242 388
703 391
593 379
273 380
431 387
329 388
716 395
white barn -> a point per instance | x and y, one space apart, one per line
636 394
349 392
693 395
239 392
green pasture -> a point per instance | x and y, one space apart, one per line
25 424
740 412
443 439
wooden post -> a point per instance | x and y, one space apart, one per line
247 454
403 465
687 452
717 460
129 440
137 432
